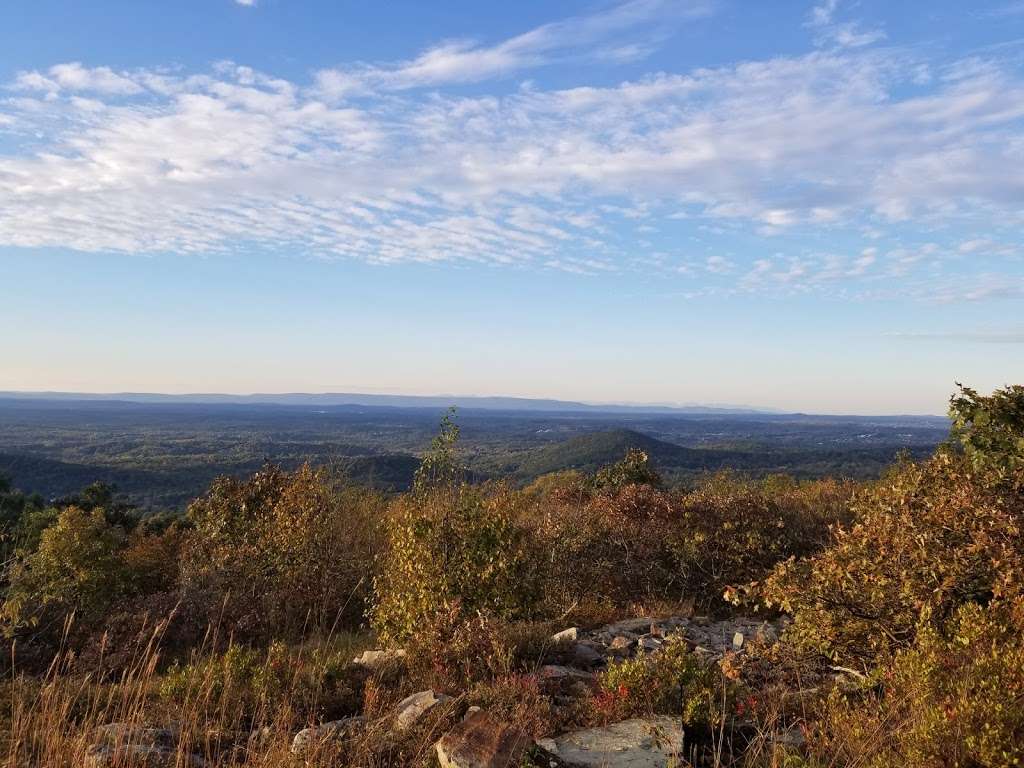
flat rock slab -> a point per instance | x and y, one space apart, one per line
650 742
480 741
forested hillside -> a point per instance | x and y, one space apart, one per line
165 454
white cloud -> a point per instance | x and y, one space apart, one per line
719 265
74 77
821 15
246 3
864 262
972 246
147 161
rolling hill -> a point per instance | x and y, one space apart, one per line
591 451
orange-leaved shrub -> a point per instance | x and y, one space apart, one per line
927 538
281 552
640 545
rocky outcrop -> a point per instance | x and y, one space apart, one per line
631 637
654 742
480 741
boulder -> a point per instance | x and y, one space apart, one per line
584 655
653 742
636 626
131 745
316 735
120 734
556 673
377 659
566 635
412 708
480 741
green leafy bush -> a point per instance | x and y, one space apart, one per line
448 551
671 681
254 683
991 429
634 469
955 698
76 570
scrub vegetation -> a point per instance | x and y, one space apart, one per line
895 604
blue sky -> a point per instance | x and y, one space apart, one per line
814 206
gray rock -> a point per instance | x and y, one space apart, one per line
317 735
138 756
650 643
131 745
654 742
412 708
480 741
584 655
634 626
729 635
621 643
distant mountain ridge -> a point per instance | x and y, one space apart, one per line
395 401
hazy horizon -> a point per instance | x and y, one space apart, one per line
440 399
804 206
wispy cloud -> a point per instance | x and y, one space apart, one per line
848 34
468 61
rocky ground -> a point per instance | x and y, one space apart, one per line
480 740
